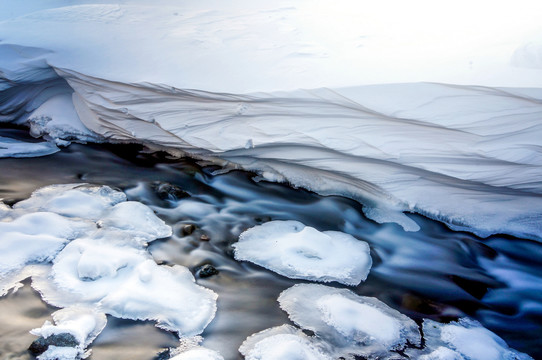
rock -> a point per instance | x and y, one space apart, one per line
207 270
41 344
167 191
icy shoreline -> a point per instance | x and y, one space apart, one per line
466 156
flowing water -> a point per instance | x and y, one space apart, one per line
434 273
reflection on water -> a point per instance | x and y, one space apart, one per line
433 273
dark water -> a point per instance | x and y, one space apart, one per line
434 273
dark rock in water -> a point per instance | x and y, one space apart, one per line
41 344
163 355
167 191
207 270
204 237
188 229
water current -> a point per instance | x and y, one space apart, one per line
434 273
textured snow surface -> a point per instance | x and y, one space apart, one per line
465 155
347 320
302 252
85 324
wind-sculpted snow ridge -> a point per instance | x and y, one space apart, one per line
96 242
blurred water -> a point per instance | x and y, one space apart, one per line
433 273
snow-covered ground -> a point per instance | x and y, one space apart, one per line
405 107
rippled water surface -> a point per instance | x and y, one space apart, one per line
434 273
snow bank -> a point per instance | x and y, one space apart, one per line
363 324
464 155
302 252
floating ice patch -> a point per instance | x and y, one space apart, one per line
73 200
35 237
105 266
464 339
78 323
283 342
301 252
137 219
348 321
198 353
125 282
16 148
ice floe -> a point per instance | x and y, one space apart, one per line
16 148
465 339
301 252
80 323
96 242
355 323
283 342
198 353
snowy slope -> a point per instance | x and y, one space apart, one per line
469 156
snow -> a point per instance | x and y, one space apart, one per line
59 353
455 153
243 46
282 342
16 148
96 241
198 353
465 339
302 252
347 320
85 324
35 237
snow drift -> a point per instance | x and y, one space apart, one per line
468 156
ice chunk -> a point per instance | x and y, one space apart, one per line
283 342
442 353
83 323
60 353
16 148
35 237
73 200
467 338
137 219
125 282
198 353
301 252
363 324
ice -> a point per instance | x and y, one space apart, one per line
465 339
302 252
60 353
136 219
97 241
198 353
16 148
363 324
73 200
283 342
124 281
35 237
84 324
